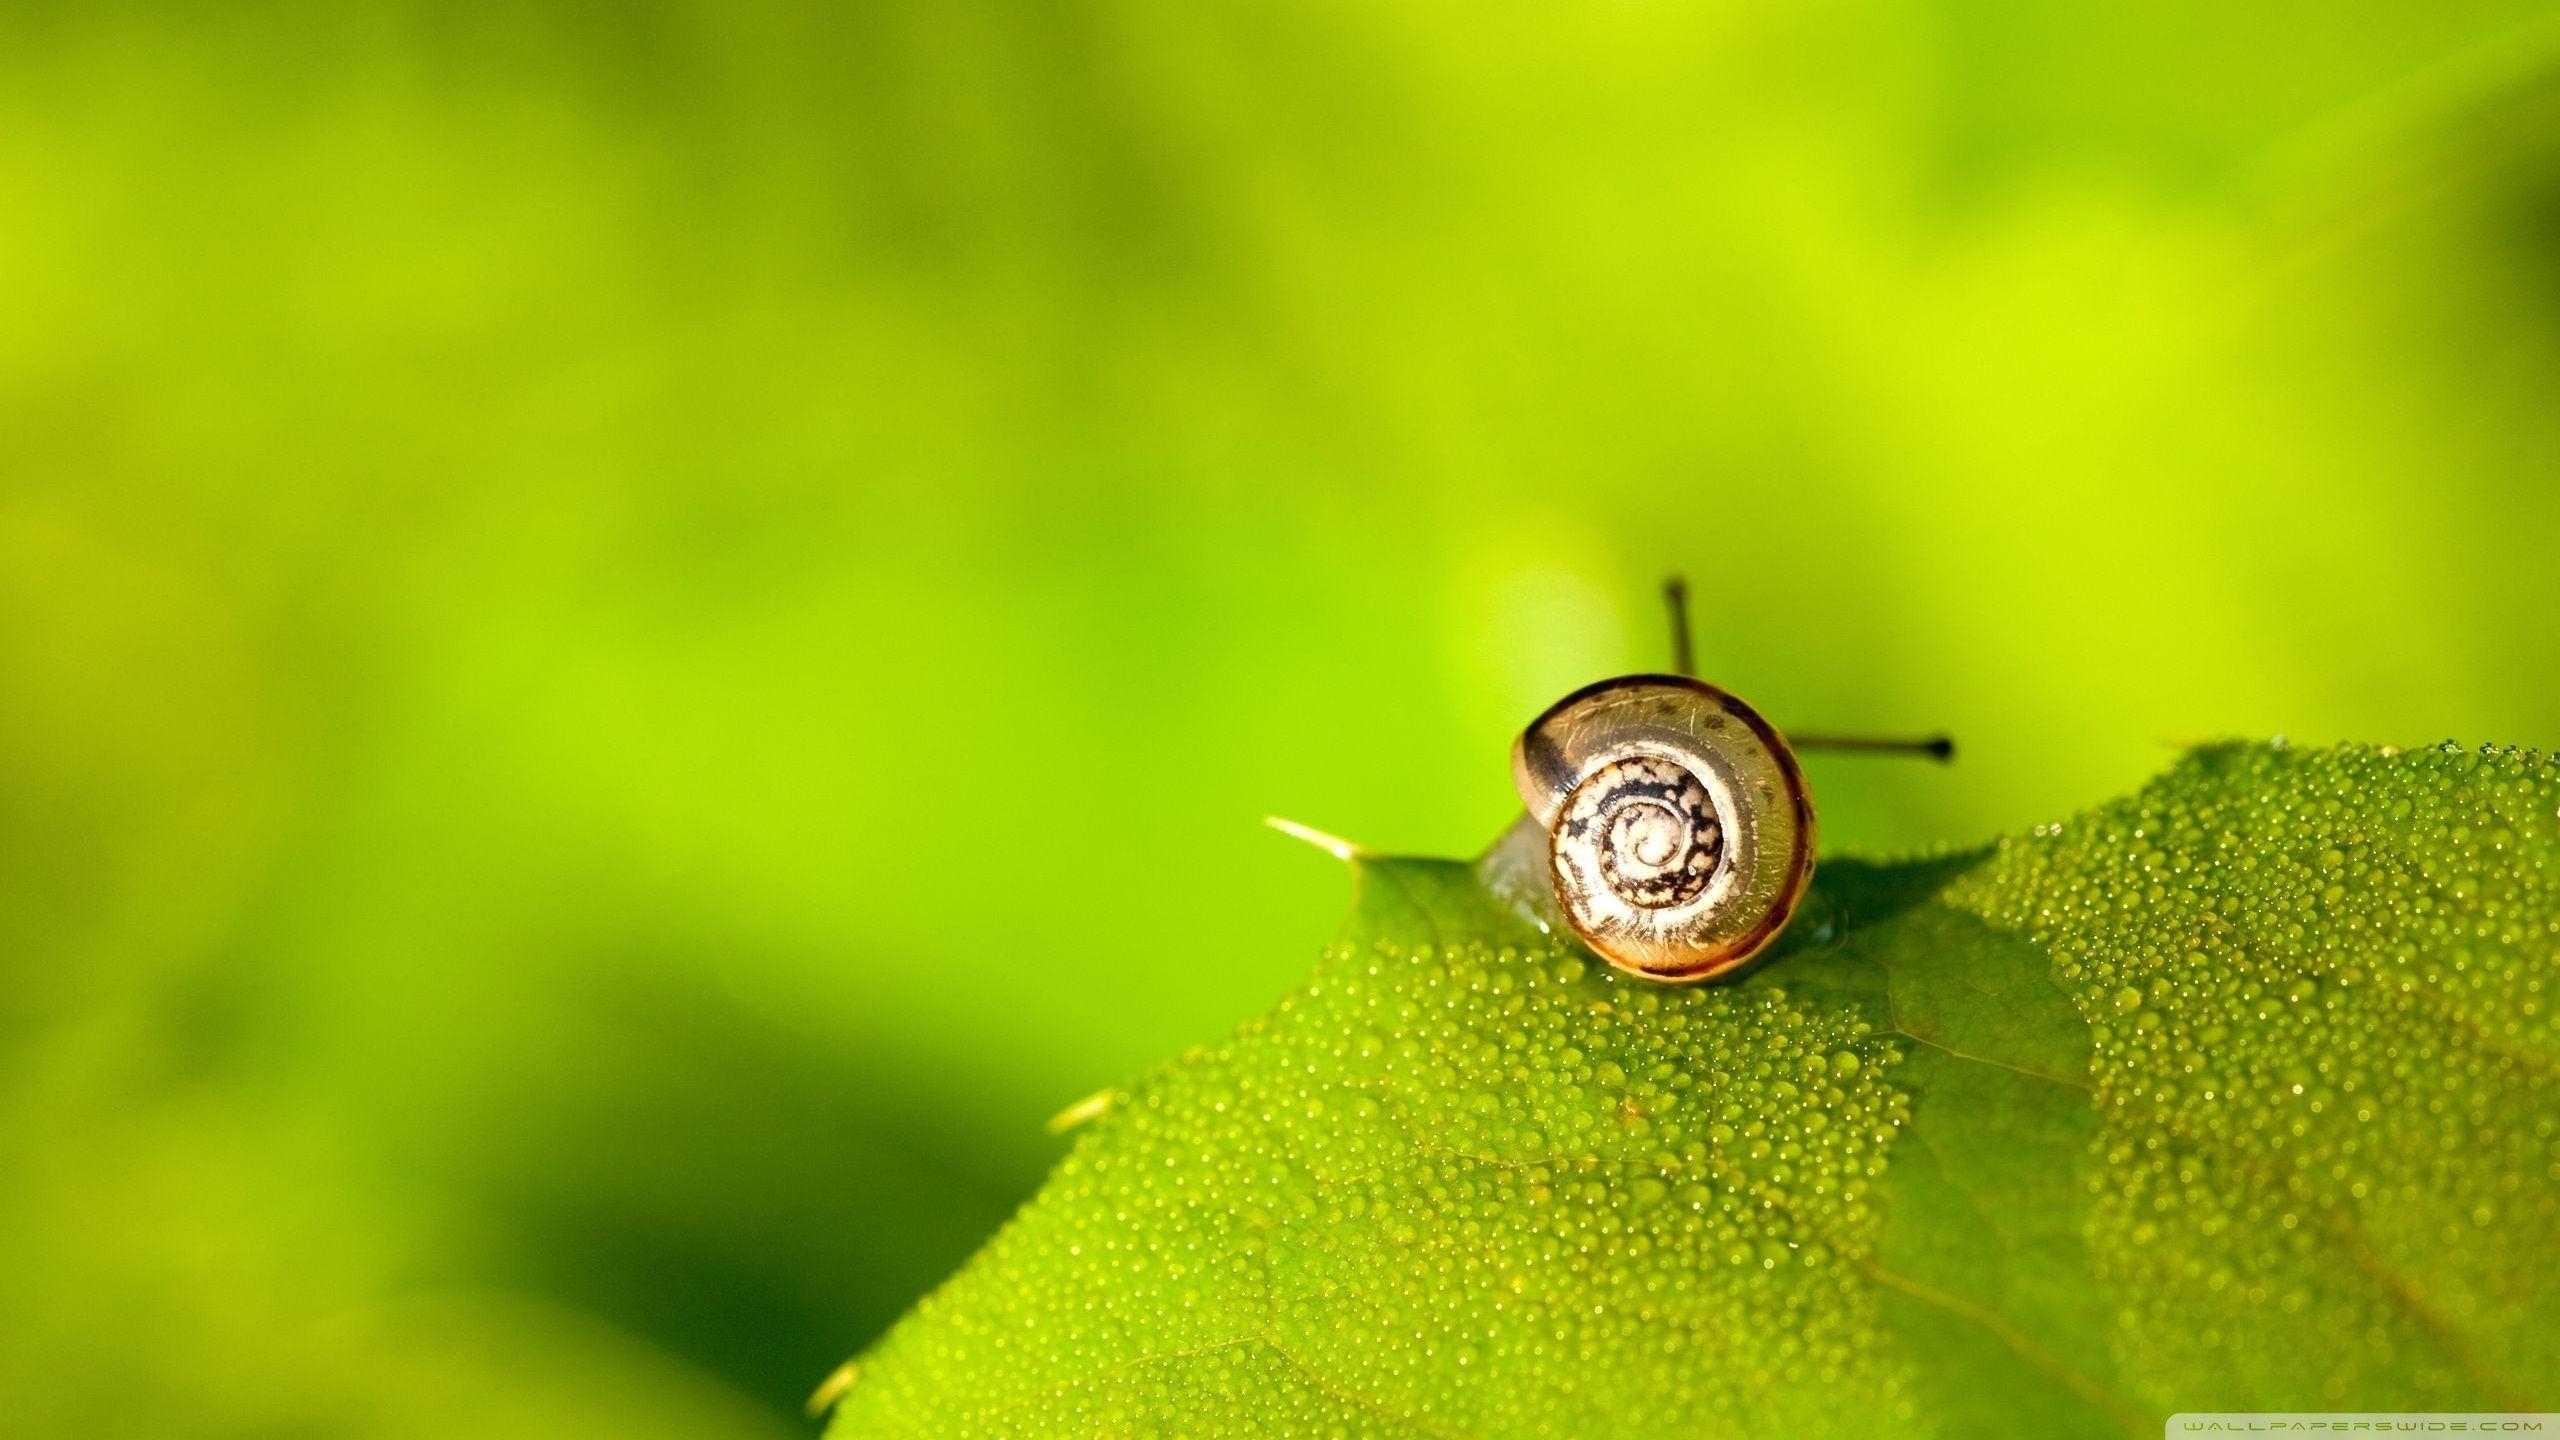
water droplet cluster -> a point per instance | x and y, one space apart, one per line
1471 1182
1447 1189
2318 986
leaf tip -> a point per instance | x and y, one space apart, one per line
1333 845
832 1389
1083 1112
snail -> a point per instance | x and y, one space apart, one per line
1678 827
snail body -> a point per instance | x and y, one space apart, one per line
1680 829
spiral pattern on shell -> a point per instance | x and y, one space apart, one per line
1650 830
1679 832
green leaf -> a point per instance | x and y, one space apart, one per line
2235 1094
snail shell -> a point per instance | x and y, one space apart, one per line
1680 831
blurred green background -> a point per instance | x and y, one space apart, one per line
632 638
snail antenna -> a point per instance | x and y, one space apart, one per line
1941 748
1684 661
1675 598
